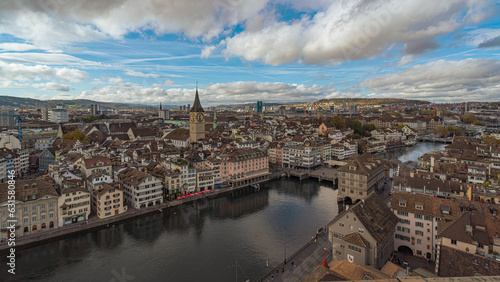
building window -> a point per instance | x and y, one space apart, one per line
418 216
341 224
418 232
419 241
419 224
453 242
350 227
403 213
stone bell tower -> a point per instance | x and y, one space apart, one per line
196 120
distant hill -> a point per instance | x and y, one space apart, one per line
18 102
251 104
372 101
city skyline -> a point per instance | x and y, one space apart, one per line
146 52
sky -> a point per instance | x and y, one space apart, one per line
283 51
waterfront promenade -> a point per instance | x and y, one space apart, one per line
305 261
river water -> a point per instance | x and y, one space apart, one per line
215 240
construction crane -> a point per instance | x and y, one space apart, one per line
19 126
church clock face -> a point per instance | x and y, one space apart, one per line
200 117
192 118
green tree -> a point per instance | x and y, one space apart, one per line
368 127
76 135
396 114
400 127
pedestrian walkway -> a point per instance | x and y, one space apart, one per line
304 261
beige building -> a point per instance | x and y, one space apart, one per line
108 201
361 176
74 206
140 189
97 164
364 233
36 207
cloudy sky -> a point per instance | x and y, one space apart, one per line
153 51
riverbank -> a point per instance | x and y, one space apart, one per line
94 222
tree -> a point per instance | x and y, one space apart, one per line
455 130
401 126
76 135
470 118
368 127
442 132
396 114
339 122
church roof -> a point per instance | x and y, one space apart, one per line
197 105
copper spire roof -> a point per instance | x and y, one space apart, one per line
197 105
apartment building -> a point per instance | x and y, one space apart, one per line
244 166
36 207
108 201
361 176
301 157
364 233
74 206
469 245
140 188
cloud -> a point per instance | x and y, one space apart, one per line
52 86
215 94
405 60
55 23
418 47
24 73
353 30
469 79
48 58
140 74
207 51
11 46
492 43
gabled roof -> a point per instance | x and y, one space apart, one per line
94 162
375 216
357 239
180 134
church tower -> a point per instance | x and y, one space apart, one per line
196 120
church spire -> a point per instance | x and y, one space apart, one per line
160 106
197 105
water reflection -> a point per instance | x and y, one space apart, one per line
109 238
411 153
209 234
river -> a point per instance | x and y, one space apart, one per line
214 240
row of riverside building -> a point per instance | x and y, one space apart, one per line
77 186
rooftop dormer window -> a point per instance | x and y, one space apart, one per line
402 203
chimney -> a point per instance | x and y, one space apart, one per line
468 229
412 174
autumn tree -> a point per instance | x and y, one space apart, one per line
469 118
442 131
76 135
455 130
